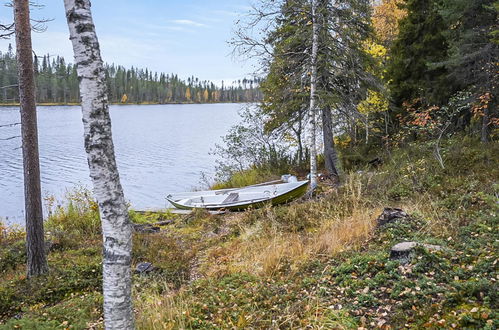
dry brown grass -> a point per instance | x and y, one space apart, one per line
270 242
160 308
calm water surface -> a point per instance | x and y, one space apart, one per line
159 149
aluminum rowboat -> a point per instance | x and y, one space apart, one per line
239 198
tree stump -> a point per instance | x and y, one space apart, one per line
404 251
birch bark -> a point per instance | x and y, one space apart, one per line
116 226
313 88
35 246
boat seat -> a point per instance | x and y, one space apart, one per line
233 196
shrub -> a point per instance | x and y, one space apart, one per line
79 213
12 255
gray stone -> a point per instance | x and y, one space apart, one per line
390 214
405 251
144 267
146 228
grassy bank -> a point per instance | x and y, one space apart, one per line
322 263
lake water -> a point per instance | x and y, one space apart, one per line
159 149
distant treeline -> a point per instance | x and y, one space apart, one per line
57 82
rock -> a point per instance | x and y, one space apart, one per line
390 214
146 228
144 267
405 251
376 162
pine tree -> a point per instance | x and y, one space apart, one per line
473 54
35 246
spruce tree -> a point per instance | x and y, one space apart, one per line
412 72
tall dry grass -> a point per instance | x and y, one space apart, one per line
158 307
274 240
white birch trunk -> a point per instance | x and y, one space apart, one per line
116 226
313 110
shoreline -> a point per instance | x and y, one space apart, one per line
112 103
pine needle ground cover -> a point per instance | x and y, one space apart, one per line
322 263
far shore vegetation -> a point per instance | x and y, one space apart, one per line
48 104
57 84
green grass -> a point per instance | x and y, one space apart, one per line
246 178
321 263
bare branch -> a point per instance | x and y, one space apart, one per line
10 138
37 25
10 125
6 30
9 86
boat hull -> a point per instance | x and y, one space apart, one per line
244 205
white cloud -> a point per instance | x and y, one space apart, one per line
188 22
175 28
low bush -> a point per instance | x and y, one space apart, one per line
79 213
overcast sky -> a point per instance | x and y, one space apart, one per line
187 37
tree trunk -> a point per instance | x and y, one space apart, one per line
116 226
485 126
367 128
330 155
313 110
300 148
35 245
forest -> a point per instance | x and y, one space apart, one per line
388 108
57 83
385 74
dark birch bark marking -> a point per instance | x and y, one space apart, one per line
116 226
35 246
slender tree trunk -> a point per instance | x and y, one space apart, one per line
330 154
313 110
116 226
485 126
300 147
35 245
367 128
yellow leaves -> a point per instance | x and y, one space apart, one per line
374 102
124 98
188 94
374 49
379 54
215 95
342 141
385 19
